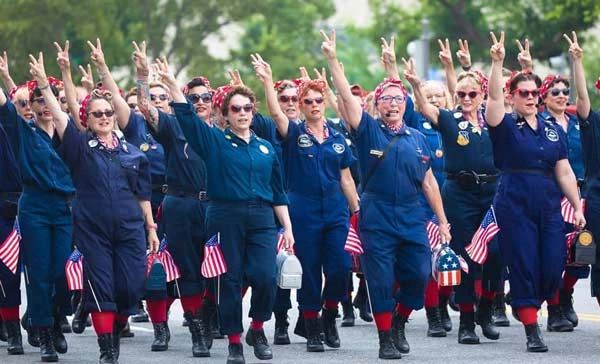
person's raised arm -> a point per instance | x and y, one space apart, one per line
265 75
140 59
494 112
5 73
583 98
122 110
524 56
352 107
87 78
445 56
36 68
62 58
388 58
430 112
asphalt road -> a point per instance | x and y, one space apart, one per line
359 343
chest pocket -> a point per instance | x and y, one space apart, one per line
130 168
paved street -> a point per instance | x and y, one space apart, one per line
359 344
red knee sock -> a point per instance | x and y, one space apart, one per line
488 295
103 322
403 311
209 296
170 301
569 283
383 321
235 338
445 291
310 314
466 307
157 310
256 325
121 319
478 288
9 313
191 304
432 298
330 305
527 315
554 300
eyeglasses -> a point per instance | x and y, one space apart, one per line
132 106
318 100
388 99
286 99
162 97
63 100
525 93
99 114
23 103
236 108
471 94
40 100
205 97
557 91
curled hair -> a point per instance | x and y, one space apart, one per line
475 77
238 90
549 82
522 77
315 85
195 82
97 94
283 85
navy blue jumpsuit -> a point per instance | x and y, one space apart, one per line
527 207
46 232
392 216
244 182
10 189
108 220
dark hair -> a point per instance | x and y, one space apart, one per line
38 93
522 77
197 81
132 92
238 90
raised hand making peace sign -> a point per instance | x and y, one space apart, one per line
262 69
445 53
62 56
97 55
524 56
328 45
574 49
497 50
463 54
140 59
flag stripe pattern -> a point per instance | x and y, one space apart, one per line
353 243
433 233
478 248
567 210
74 271
214 263
171 270
280 240
10 249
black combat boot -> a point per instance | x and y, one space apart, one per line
444 315
499 314
349 317
281 329
535 341
332 338
13 337
236 354
107 350
387 349
196 327
141 315
314 342
434 322
484 319
566 304
466 329
47 351
258 340
161 341
398 333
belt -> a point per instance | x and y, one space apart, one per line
159 188
472 177
169 191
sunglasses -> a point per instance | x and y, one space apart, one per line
162 97
388 99
236 108
318 101
132 106
40 100
205 97
557 91
525 93
23 103
286 99
99 114
471 94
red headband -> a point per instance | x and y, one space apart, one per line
548 81
205 81
297 82
13 90
33 84
389 82
83 114
483 80
317 85
219 96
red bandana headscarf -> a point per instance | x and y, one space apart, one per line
548 82
33 84
317 85
389 82
83 108
219 96
297 82
598 84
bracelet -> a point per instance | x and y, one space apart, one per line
151 227
44 87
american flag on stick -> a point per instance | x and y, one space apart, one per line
74 271
10 249
478 248
567 210
214 263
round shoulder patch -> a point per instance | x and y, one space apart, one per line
338 148
93 143
304 141
552 135
426 125
263 148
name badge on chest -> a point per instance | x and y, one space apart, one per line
463 138
376 153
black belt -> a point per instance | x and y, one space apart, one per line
472 178
169 191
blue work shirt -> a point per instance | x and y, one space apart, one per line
466 147
590 141
10 178
518 148
237 171
41 167
264 127
340 126
137 133
434 140
185 170
573 138
313 169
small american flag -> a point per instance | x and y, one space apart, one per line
567 210
214 263
353 243
74 271
478 249
280 240
9 249
570 241
166 259
433 232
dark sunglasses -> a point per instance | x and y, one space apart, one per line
286 99
236 108
40 100
132 106
525 93
556 91
388 99
162 97
205 97
318 100
98 114
471 94
23 103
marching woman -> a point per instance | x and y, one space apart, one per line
314 151
395 171
590 139
245 187
110 208
467 193
532 154
46 233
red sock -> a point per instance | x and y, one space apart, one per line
330 304
403 311
103 322
466 307
432 298
554 300
527 315
209 296
235 338
383 321
310 314
256 325
9 313
170 301
569 283
488 295
121 319
445 291
157 310
478 288
191 304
